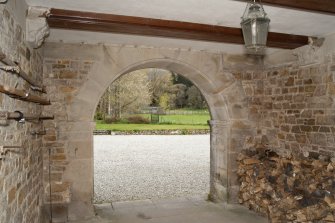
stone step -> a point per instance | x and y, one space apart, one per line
59 220
59 213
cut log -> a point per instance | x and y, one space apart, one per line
251 161
330 201
288 189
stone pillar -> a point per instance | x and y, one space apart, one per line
79 171
220 131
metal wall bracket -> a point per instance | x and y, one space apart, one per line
38 133
20 117
4 150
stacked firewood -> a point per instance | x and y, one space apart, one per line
287 189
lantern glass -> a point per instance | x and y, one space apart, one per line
255 26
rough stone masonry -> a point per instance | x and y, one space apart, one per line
21 173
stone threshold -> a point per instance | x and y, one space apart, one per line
172 210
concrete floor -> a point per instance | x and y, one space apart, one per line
177 210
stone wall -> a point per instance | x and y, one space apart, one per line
76 76
292 105
21 186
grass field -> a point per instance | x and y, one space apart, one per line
166 122
139 127
194 119
184 119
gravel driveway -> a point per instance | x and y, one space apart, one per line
153 166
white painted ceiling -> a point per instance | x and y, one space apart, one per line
215 12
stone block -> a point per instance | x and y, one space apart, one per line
22 195
67 89
308 81
58 66
317 139
309 122
300 138
78 210
54 177
57 187
80 174
321 90
331 88
299 98
50 138
310 89
290 81
324 129
305 128
316 128
218 193
58 157
59 213
67 74
80 149
281 136
11 195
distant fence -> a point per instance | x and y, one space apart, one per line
186 112
173 112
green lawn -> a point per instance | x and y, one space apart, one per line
138 127
184 119
194 119
190 121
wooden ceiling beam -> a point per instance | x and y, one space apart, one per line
99 22
324 6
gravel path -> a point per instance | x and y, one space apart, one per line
155 166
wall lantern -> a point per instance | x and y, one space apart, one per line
255 26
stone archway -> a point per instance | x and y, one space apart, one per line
223 94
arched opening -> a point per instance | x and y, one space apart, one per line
153 139
112 65
94 88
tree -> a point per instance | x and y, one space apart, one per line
195 98
161 82
103 106
164 101
180 95
155 87
127 94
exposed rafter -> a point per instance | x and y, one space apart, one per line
325 6
99 22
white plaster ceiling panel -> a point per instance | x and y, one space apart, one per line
215 12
